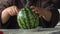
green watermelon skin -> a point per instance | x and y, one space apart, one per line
27 19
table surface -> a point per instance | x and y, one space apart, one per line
38 30
32 31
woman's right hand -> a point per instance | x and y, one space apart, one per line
13 10
6 13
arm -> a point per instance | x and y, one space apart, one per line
7 10
1 9
46 14
4 16
55 14
6 13
49 13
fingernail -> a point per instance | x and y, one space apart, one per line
36 12
33 10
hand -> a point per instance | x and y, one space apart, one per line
46 14
7 12
39 11
35 9
13 10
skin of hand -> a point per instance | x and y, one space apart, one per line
6 13
46 14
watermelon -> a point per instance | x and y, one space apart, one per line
26 19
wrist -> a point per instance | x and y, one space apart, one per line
4 16
46 14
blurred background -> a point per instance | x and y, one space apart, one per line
58 25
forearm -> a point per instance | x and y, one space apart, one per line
4 17
46 14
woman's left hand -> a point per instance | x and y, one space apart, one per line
37 10
46 14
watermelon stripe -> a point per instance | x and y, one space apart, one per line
27 14
30 16
19 22
29 10
23 12
21 19
35 17
27 19
36 20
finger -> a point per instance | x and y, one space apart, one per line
16 10
33 10
32 7
13 11
10 12
36 11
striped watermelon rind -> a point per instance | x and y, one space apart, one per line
27 19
